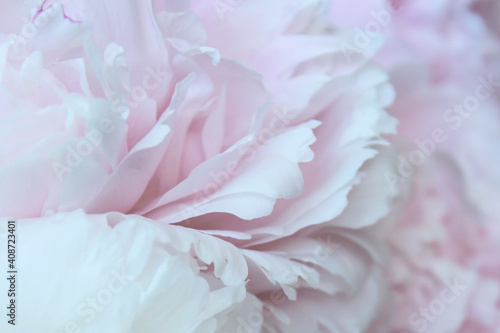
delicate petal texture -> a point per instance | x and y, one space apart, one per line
252 166
213 163
120 279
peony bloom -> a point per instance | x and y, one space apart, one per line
231 172
443 61
229 166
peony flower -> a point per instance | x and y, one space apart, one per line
443 64
232 170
